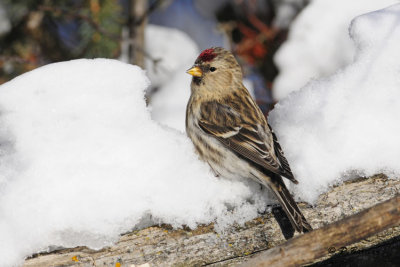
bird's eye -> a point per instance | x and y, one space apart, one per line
212 69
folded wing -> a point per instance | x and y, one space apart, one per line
247 140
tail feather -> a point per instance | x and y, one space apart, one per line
288 204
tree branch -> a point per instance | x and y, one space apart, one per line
316 244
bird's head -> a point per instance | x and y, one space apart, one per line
215 68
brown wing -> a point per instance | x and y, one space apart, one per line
245 140
287 172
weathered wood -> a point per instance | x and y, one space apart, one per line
163 246
316 244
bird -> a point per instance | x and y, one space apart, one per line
230 132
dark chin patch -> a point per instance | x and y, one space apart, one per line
207 55
197 80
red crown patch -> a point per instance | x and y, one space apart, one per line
207 55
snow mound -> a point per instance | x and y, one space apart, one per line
176 53
318 43
347 124
81 161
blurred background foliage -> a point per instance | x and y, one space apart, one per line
45 31
37 32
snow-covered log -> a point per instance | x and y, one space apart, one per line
163 246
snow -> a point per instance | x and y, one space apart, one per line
176 53
318 42
286 11
81 161
347 124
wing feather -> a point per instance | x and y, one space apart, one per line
246 141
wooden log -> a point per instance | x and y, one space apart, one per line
163 246
316 244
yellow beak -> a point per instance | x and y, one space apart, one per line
195 71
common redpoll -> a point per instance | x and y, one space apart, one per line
230 132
